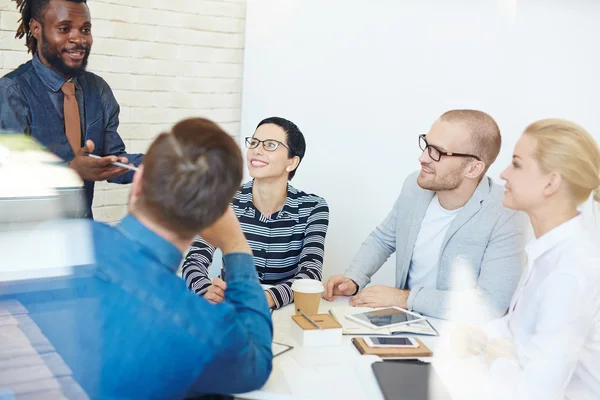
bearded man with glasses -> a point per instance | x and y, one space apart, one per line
459 252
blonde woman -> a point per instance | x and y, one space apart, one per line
547 346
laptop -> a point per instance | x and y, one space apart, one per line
409 380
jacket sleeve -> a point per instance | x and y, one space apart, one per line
113 144
501 268
242 334
14 111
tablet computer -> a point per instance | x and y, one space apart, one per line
385 317
409 379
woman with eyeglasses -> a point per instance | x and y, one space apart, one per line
285 227
547 346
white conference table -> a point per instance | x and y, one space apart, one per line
326 372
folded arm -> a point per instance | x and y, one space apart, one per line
241 333
195 266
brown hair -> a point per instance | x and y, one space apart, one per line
568 149
190 176
485 134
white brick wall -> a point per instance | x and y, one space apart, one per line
164 59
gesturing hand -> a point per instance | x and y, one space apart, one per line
96 169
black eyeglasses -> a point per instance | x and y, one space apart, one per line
268 144
436 154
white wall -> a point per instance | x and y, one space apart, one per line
165 60
362 78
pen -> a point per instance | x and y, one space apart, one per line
118 164
309 319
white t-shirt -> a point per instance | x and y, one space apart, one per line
424 264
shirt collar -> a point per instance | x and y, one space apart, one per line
482 190
49 77
290 208
246 195
537 247
162 250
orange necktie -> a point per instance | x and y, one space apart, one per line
72 121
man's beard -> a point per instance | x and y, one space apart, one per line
451 181
53 57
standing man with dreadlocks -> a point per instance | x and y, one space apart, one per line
54 99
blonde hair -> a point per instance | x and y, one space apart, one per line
567 148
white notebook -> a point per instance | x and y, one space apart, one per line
350 327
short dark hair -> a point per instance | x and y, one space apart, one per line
33 9
485 134
295 139
190 176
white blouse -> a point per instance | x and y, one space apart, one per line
554 320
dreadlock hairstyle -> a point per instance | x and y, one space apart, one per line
32 9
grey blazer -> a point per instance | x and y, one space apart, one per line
481 259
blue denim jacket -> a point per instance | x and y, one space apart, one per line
128 328
31 102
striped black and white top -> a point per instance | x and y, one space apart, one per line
287 245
